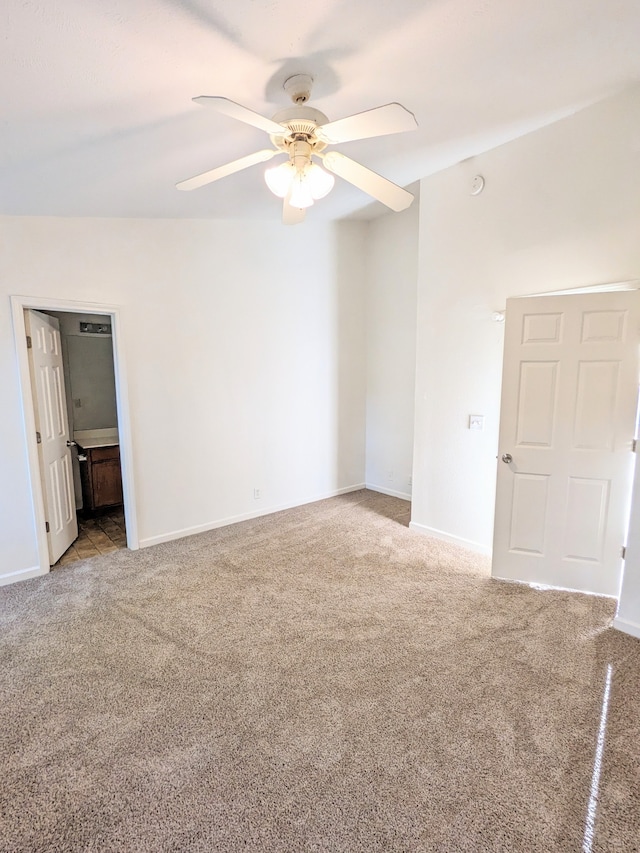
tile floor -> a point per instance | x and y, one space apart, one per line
99 535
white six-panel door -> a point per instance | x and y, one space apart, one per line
47 382
567 424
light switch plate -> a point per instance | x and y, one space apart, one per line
476 422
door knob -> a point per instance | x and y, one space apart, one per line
72 444
507 457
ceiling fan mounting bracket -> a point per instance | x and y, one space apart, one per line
298 88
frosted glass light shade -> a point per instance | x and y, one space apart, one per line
320 182
301 195
279 178
302 183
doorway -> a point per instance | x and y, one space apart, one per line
91 408
87 413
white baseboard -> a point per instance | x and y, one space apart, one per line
547 587
246 516
628 627
455 540
384 491
21 575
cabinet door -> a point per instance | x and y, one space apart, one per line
107 483
106 479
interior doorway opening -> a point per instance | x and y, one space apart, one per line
96 494
90 402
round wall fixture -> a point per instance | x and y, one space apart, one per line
477 185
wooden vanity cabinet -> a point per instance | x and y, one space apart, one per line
101 477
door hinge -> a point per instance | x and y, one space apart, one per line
634 445
29 342
623 553
38 438
46 526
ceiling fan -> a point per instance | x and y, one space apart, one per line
303 133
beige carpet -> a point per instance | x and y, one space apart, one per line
322 679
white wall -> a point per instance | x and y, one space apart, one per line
244 345
89 375
561 209
392 272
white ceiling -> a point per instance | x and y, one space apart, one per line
97 119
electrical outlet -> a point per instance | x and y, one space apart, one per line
257 494
476 422
390 476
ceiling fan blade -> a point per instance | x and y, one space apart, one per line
370 182
227 169
391 118
237 111
292 215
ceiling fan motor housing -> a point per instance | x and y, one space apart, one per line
299 123
300 153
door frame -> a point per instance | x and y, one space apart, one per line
39 303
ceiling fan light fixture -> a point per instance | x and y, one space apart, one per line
279 178
320 182
303 184
301 195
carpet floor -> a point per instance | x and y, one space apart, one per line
321 679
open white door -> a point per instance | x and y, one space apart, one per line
49 400
567 426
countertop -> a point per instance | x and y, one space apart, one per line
90 438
